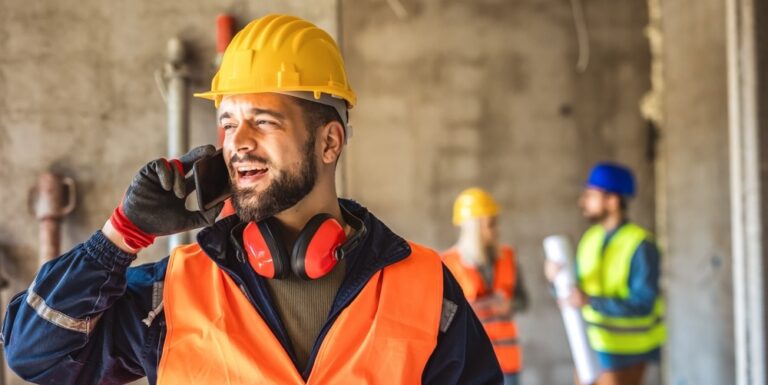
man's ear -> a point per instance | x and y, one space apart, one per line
614 202
332 140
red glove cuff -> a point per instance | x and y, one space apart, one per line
176 163
134 237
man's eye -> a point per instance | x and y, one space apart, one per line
267 123
228 126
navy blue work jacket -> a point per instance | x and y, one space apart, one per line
86 318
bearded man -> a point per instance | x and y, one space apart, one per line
299 287
617 269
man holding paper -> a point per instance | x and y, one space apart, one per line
617 269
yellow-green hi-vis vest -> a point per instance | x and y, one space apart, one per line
605 273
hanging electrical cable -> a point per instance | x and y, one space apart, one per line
582 35
398 9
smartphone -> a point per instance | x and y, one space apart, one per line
211 181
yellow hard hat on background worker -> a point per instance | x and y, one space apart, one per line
487 273
285 55
474 203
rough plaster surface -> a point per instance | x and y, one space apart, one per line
698 261
457 94
486 93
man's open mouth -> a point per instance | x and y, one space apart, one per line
250 171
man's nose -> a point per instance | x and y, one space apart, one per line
243 140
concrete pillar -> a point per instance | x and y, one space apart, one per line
748 90
697 258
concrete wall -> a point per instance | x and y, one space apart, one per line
457 93
78 95
695 145
486 93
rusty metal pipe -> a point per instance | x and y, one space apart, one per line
50 239
50 200
177 75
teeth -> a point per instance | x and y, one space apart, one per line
248 168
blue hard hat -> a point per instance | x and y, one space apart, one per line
612 178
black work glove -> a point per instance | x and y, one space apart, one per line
155 201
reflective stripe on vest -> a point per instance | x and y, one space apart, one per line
502 330
604 272
216 336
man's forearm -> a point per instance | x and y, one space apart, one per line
57 315
116 238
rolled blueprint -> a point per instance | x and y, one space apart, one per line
558 249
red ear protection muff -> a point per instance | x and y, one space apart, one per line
320 245
314 253
265 252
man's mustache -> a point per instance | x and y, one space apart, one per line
248 158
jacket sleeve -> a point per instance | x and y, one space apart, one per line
80 321
464 354
644 275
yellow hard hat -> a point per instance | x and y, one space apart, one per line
474 203
279 53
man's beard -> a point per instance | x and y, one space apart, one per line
596 217
283 193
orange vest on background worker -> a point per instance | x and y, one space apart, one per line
501 330
216 336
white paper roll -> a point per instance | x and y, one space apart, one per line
559 249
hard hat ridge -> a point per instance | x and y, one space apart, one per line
279 53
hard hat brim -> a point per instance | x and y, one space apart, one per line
215 95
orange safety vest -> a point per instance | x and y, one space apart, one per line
501 330
216 336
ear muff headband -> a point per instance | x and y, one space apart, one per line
357 236
318 248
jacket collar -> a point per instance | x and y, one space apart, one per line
378 248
